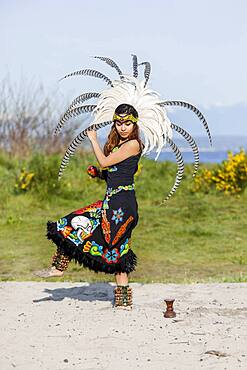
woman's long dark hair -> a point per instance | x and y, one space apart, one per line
114 138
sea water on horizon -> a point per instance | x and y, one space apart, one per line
205 157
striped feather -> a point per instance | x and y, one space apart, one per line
77 141
89 72
191 107
135 65
192 143
111 63
82 98
147 71
180 171
73 113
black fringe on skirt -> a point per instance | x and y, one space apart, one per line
127 262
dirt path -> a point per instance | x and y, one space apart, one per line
73 326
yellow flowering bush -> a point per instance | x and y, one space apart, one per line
24 181
229 177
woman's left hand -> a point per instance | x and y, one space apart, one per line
92 135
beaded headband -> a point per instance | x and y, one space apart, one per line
125 118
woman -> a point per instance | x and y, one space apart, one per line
99 236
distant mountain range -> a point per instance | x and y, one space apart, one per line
220 143
222 120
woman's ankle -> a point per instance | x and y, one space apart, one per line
57 271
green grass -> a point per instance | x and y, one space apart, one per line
195 237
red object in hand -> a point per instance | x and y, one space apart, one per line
92 171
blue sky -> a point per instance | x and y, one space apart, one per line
197 49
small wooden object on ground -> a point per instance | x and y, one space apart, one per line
169 308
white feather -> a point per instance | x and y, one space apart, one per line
153 121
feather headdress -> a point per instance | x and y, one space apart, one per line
153 122
152 118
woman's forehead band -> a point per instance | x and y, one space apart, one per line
125 118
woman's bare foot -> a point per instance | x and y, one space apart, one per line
49 272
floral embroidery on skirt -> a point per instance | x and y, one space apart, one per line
98 236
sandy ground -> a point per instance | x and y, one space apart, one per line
48 325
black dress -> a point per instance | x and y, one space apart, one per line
98 236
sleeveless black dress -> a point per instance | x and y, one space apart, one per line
98 236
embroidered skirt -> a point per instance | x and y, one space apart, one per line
98 236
